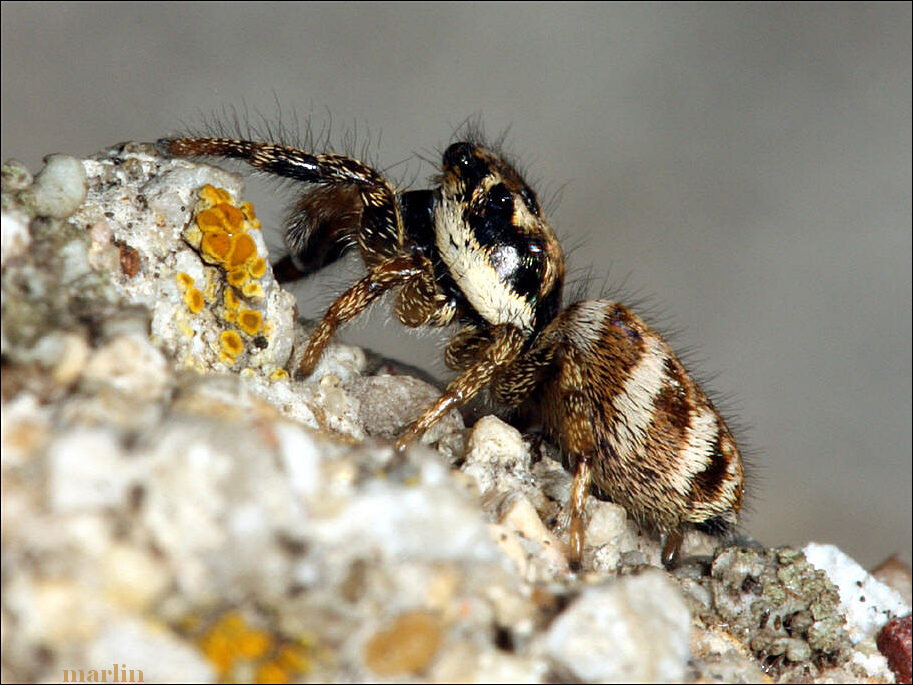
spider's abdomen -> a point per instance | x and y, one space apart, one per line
657 445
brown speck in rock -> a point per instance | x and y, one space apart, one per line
129 260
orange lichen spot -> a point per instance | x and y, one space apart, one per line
253 644
279 375
210 221
216 246
238 650
222 217
193 298
231 343
257 267
245 248
252 290
237 277
185 281
271 673
217 643
248 210
214 196
293 658
250 321
231 300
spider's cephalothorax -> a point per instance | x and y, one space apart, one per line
477 249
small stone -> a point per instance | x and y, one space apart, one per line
59 188
129 260
86 471
894 573
496 455
636 629
895 641
129 365
520 515
133 578
606 523
72 360
407 646
15 175
14 235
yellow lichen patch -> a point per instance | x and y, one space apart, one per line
245 249
212 196
271 673
279 375
237 277
230 300
221 234
256 267
231 343
252 290
210 221
250 321
254 644
193 298
231 639
248 210
236 650
216 247
233 218
184 280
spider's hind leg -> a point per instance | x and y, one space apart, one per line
321 227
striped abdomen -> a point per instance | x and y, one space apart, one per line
657 445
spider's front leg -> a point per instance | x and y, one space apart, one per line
390 273
506 345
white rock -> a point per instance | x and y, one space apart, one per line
495 450
87 470
129 365
520 515
411 522
133 578
59 188
300 457
606 523
868 603
14 234
635 629
134 644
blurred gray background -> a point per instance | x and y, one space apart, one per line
746 168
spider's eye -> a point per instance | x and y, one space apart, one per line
500 200
459 156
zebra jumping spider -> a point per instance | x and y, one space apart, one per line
476 249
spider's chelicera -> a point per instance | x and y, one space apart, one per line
477 250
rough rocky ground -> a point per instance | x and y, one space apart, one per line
174 502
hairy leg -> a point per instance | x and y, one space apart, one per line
390 273
506 345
